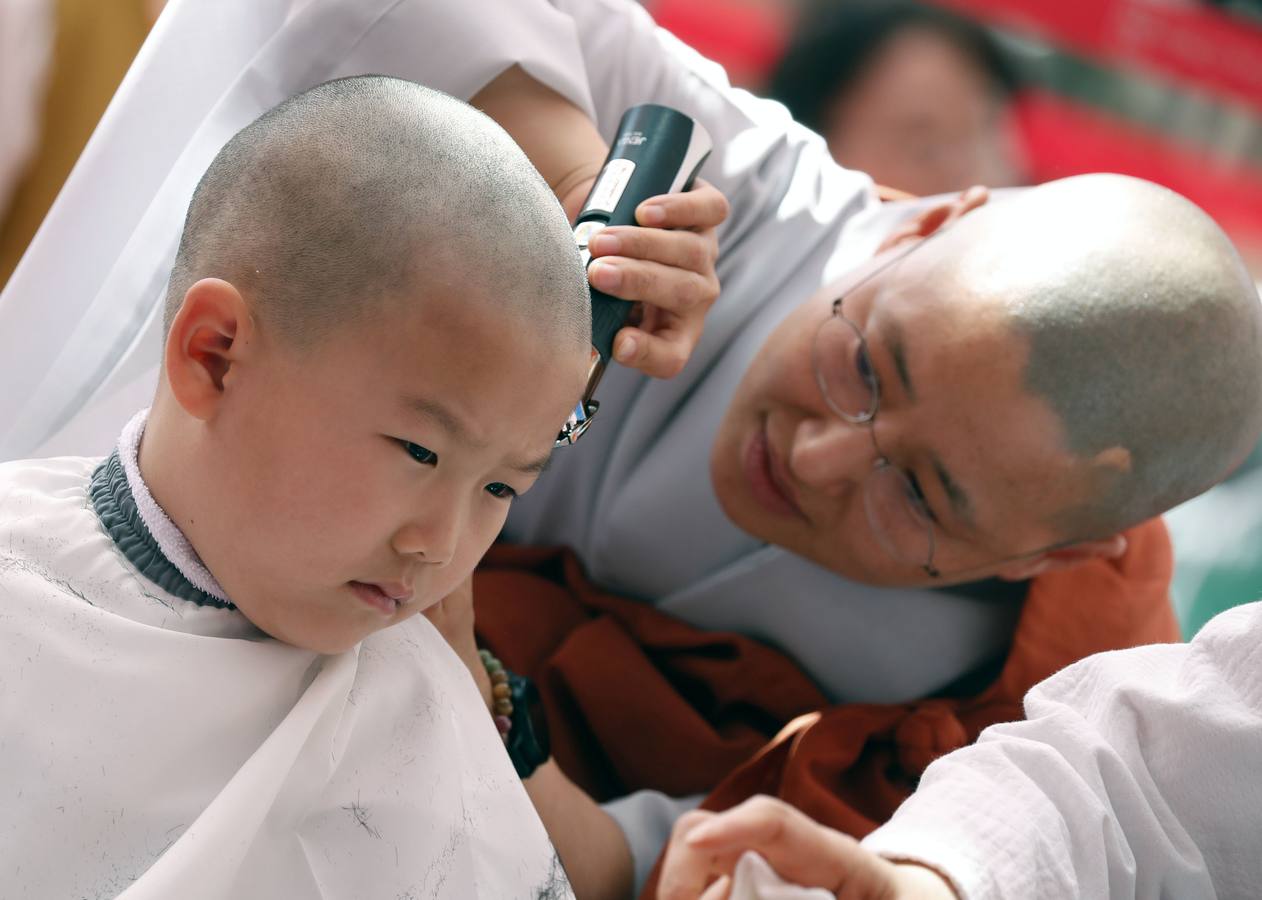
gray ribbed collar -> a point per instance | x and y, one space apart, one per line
116 506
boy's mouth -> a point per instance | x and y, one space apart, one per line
385 597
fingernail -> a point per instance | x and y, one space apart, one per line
625 351
604 245
651 214
604 276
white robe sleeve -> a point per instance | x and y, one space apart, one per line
80 319
1135 775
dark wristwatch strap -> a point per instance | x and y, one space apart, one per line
527 742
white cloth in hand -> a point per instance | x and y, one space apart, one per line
754 879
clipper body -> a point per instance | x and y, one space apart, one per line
658 150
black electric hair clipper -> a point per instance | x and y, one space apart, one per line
658 150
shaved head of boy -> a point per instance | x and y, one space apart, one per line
376 324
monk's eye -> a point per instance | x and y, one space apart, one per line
422 455
916 497
863 365
501 490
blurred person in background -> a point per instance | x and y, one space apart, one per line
60 61
916 97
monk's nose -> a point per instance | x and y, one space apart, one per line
830 456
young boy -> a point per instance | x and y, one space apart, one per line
213 681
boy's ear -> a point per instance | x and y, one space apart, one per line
935 217
1064 558
206 339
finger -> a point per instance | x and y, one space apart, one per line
687 873
798 848
685 870
670 288
755 822
720 890
679 249
700 208
661 355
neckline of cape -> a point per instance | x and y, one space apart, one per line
141 530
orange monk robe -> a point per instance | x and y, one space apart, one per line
638 699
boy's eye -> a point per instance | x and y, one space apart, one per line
422 455
501 490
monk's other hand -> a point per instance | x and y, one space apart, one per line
704 848
667 265
453 617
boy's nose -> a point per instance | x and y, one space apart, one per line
430 537
830 456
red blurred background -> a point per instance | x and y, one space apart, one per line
1168 90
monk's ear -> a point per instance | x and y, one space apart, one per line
935 217
207 337
1065 558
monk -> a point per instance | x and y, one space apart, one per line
914 457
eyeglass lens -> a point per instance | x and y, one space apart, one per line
843 368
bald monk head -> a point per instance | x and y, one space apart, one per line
376 325
1002 390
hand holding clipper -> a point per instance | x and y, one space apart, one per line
657 150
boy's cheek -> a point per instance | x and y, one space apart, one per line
468 555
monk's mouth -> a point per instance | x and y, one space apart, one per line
765 476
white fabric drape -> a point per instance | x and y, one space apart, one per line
1135 776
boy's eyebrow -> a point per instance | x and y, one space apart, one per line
443 416
534 467
451 422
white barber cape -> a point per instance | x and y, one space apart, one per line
154 748
1138 774
80 320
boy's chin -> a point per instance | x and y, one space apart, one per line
327 644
